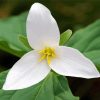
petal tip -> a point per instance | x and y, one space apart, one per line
39 5
4 87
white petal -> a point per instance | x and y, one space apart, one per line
26 72
70 62
42 29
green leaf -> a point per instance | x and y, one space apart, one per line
24 40
2 78
10 29
87 40
65 36
53 87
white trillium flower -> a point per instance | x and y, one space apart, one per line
43 35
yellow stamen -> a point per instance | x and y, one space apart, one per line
42 58
47 53
48 60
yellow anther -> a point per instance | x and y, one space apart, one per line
47 53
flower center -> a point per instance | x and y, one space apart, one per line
47 53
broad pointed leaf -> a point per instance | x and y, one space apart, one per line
10 29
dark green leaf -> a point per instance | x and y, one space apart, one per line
24 40
10 29
2 78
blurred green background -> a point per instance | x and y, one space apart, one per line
70 14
